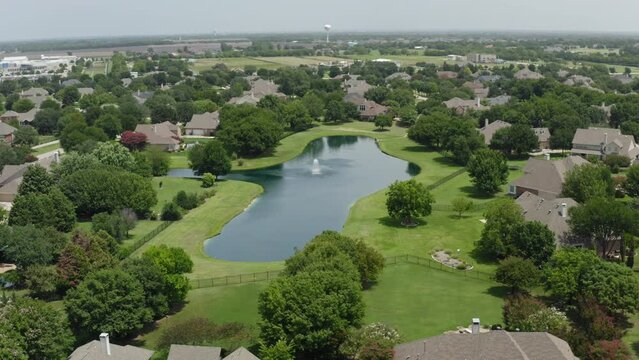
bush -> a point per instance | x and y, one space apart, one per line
186 201
113 224
171 212
208 180
617 161
518 308
518 273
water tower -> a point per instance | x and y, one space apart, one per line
327 27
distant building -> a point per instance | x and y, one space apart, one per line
602 142
490 129
482 58
11 177
85 91
543 136
399 75
544 177
496 345
526 74
6 132
579 80
455 58
623 78
461 106
203 124
499 100
259 89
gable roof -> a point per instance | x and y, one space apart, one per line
398 75
447 74
6 129
371 108
157 134
85 91
188 352
208 120
543 134
604 137
494 345
241 354
93 351
9 114
547 212
499 100
37 92
524 74
547 176
490 130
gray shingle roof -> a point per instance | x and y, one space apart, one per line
604 136
93 351
547 212
241 354
6 129
547 176
525 74
208 121
157 134
494 345
543 134
490 130
187 352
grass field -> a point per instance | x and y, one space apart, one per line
98 67
418 301
45 149
171 186
270 63
43 139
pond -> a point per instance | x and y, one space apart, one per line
303 197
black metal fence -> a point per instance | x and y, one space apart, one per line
391 260
446 179
127 251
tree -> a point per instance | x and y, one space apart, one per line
28 245
209 157
517 273
548 320
46 120
383 121
281 350
251 136
85 253
462 205
502 217
171 212
42 281
588 181
153 282
488 170
160 161
296 116
519 138
613 285
604 222
314 105
376 336
335 112
77 133
311 310
563 272
36 330
518 308
162 107
408 200
109 301
25 135
113 224
49 209
534 241
632 181
68 95
110 124
431 130
115 155
174 263
22 106
73 162
36 180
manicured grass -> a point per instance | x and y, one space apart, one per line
43 139
270 63
45 149
142 227
419 302
179 160
171 186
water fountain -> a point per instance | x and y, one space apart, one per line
316 170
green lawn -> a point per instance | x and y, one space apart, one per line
43 139
270 63
171 186
179 160
418 301
45 149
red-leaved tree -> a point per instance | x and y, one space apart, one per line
133 140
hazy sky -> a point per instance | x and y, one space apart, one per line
37 19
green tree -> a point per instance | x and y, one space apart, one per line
110 124
174 263
28 245
51 209
383 121
312 310
25 135
502 217
548 320
603 222
36 330
42 281
22 106
154 283
171 212
588 181
296 116
109 301
462 205
519 138
335 112
209 157
517 273
614 286
408 200
563 272
160 161
281 350
251 136
314 105
36 180
68 95
84 254
46 120
632 181
208 180
115 155
113 224
534 241
162 107
488 170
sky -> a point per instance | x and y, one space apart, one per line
43 19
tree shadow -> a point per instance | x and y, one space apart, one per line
481 258
390 222
456 217
443 160
381 130
415 148
498 291
473 193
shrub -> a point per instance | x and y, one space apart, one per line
113 224
186 201
171 212
518 308
208 180
618 161
520 274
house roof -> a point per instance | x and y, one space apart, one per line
490 130
261 88
37 92
399 75
208 121
494 345
524 74
244 99
29 116
241 354
71 82
446 74
187 352
356 86
93 351
142 96
605 137
9 114
157 134
6 129
547 212
499 100
543 134
547 176
473 85
371 108
578 80
85 91
623 78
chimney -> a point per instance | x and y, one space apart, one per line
486 123
474 327
56 157
478 102
104 342
564 210
605 138
547 156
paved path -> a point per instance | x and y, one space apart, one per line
50 153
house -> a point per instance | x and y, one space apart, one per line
71 82
28 117
543 136
9 116
164 135
187 352
602 142
104 350
85 91
490 129
355 88
11 177
33 93
126 82
447 75
369 110
246 99
482 58
399 75
489 78
142 96
579 80
461 106
526 74
552 213
259 89
241 354
203 124
623 78
545 177
499 100
494 345
6 132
